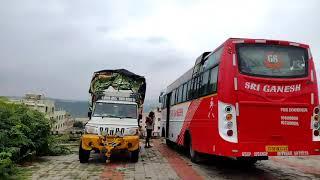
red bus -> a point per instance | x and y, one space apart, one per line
248 99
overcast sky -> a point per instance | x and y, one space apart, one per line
55 46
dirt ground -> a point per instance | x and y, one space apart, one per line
161 162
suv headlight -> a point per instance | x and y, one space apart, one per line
131 131
90 129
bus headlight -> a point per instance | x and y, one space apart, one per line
316 117
130 131
90 129
316 110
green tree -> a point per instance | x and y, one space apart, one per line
23 133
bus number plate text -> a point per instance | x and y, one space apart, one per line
277 148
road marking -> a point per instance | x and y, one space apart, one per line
111 172
183 170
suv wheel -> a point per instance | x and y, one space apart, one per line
134 155
83 154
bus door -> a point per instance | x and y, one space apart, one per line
168 100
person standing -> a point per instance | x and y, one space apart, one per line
150 124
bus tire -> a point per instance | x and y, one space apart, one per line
194 155
169 143
83 154
248 162
134 156
163 133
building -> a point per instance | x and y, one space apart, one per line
61 120
157 126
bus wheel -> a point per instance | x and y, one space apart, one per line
83 154
134 156
194 155
169 143
163 133
248 162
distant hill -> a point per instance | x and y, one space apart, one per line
75 108
150 105
80 108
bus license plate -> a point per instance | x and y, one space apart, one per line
276 148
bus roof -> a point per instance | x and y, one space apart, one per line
267 41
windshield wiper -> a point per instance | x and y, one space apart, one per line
112 116
106 115
127 117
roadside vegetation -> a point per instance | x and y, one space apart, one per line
78 124
24 134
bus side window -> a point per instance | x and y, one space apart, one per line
198 81
165 101
213 79
176 97
184 94
190 90
194 87
177 93
204 83
173 97
214 58
196 70
179 97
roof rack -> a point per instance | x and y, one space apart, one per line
118 98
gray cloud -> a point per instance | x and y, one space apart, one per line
55 46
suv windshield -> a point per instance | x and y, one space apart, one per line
272 60
115 110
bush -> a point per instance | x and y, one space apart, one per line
23 133
6 164
55 147
78 124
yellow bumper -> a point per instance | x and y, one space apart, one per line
92 141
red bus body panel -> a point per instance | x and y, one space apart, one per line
261 119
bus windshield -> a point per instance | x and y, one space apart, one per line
272 60
115 110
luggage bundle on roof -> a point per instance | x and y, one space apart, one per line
118 84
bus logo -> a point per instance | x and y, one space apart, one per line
272 61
